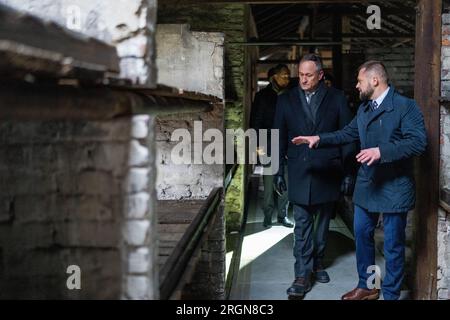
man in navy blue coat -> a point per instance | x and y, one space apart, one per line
391 131
314 176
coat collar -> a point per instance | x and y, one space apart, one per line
298 101
386 106
387 103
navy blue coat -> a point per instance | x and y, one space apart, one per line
314 175
397 128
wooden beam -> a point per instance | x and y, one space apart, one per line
291 43
283 61
349 11
183 2
30 45
367 35
428 66
50 102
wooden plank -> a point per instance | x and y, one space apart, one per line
428 66
167 243
176 236
162 260
177 212
179 259
40 47
164 251
169 228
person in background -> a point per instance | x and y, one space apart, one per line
263 114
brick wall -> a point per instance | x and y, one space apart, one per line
443 272
399 63
186 181
443 232
130 25
77 193
233 21
192 61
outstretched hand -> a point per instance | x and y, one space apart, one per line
311 141
369 155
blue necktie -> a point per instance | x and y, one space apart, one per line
373 105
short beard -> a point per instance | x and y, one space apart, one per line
365 95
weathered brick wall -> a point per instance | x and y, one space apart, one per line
232 20
78 193
193 61
443 272
130 25
186 181
190 61
443 232
399 63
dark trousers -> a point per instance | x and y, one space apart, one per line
394 249
310 236
272 200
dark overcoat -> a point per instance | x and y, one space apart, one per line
314 175
397 128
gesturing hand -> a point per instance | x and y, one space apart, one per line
311 141
369 155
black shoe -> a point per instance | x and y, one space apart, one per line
319 272
299 288
321 276
267 225
286 222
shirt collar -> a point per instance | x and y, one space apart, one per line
380 99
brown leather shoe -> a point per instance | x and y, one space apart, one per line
361 294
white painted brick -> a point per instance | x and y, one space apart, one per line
140 127
136 232
138 154
137 206
137 180
138 287
139 261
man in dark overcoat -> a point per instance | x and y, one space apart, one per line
314 176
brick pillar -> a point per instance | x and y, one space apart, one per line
139 229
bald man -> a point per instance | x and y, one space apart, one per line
391 130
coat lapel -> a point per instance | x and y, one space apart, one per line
297 106
386 105
322 107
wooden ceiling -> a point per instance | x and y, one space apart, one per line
280 23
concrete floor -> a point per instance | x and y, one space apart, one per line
267 264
